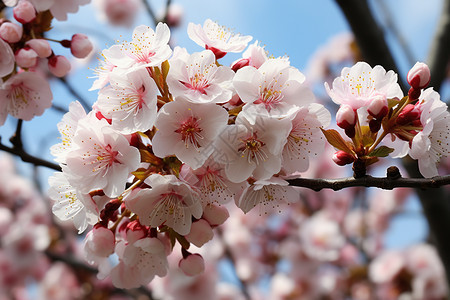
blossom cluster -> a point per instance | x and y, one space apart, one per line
26 56
174 136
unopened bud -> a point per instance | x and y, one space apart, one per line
80 45
24 12
414 94
26 58
409 114
215 215
375 125
174 16
346 117
192 265
135 231
201 232
343 158
58 65
378 107
243 62
40 46
100 241
419 76
218 53
11 32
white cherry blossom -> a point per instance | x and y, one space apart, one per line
101 158
169 201
129 101
276 86
148 48
25 95
187 130
213 35
199 79
359 85
430 144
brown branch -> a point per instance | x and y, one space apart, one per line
439 55
385 183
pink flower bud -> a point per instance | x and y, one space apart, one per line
192 265
378 107
24 12
100 241
58 65
409 114
26 58
243 62
135 231
419 76
215 215
346 117
342 158
40 46
10 32
80 45
218 53
174 16
200 233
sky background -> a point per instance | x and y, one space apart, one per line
293 28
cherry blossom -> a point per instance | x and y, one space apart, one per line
430 144
187 130
118 12
169 202
253 150
6 59
148 48
359 85
25 95
386 266
305 140
199 79
101 158
129 101
254 56
276 86
216 37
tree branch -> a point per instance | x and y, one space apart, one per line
150 11
439 55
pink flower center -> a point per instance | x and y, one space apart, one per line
139 53
190 132
270 96
198 83
252 149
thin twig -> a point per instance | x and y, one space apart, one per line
150 11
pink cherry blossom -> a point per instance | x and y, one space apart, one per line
80 45
305 140
359 85
430 144
129 101
419 76
386 266
98 244
24 12
268 195
26 58
169 202
25 95
101 158
6 59
213 35
148 48
188 130
253 150
192 265
60 8
199 79
201 232
102 72
276 86
11 32
254 56
59 65
40 46
118 12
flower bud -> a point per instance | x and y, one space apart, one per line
58 65
375 125
201 232
99 242
419 76
10 32
343 158
378 107
192 265
409 114
24 12
80 45
135 231
346 117
26 58
40 46
215 215
243 62
174 16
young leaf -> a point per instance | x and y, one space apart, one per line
382 151
335 139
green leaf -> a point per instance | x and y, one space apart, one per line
393 102
335 139
382 151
